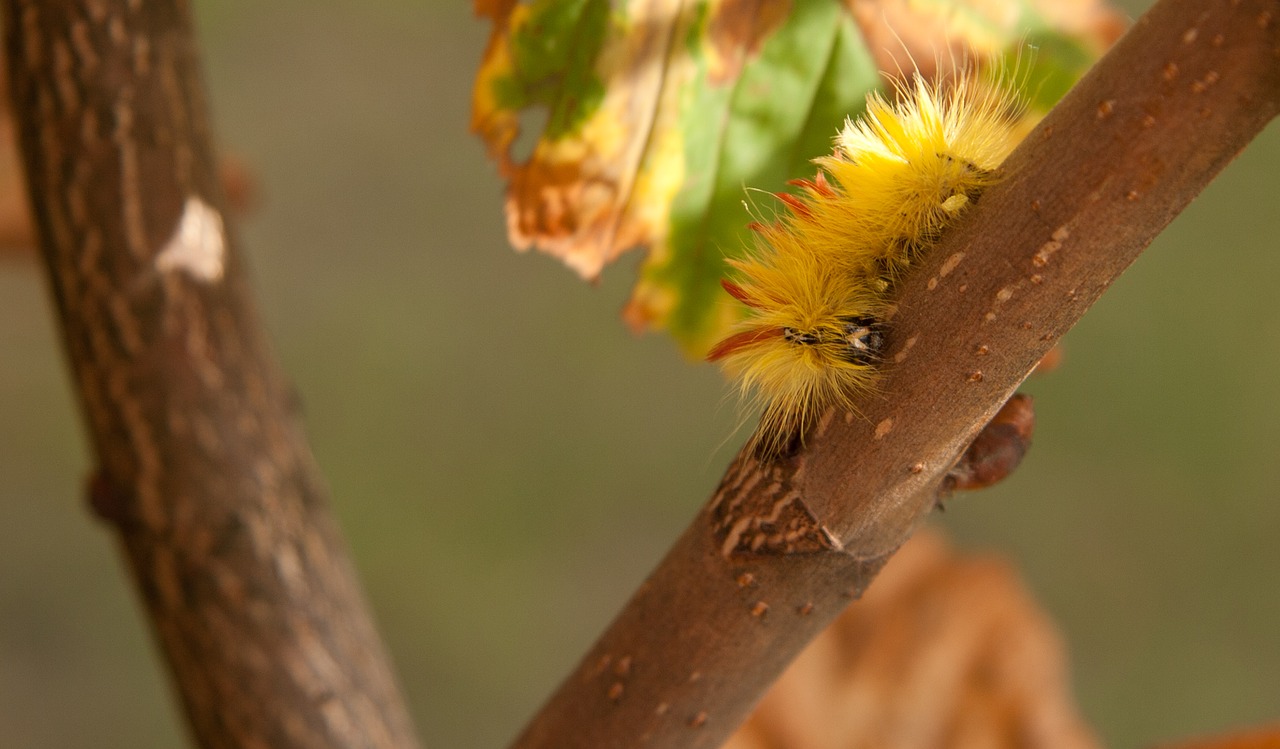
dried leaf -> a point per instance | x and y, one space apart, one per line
659 113
1258 738
944 651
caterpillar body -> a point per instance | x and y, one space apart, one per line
821 278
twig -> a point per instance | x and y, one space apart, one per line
203 467
781 549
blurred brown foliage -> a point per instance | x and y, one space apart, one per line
1258 738
944 651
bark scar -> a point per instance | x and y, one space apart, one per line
758 510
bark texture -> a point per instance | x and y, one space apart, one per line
781 549
203 467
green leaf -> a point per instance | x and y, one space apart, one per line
553 50
667 118
758 129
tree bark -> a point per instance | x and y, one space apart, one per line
781 548
203 467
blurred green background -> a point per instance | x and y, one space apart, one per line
508 462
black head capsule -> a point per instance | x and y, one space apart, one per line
863 340
859 340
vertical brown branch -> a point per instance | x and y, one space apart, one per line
203 468
781 548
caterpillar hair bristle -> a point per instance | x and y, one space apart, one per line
821 277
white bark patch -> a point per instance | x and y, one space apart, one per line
198 245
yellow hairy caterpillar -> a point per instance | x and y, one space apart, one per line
820 279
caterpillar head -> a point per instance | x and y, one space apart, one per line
853 338
796 366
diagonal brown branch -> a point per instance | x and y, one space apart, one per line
780 549
203 466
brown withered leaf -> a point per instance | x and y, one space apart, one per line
598 76
945 651
1267 737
